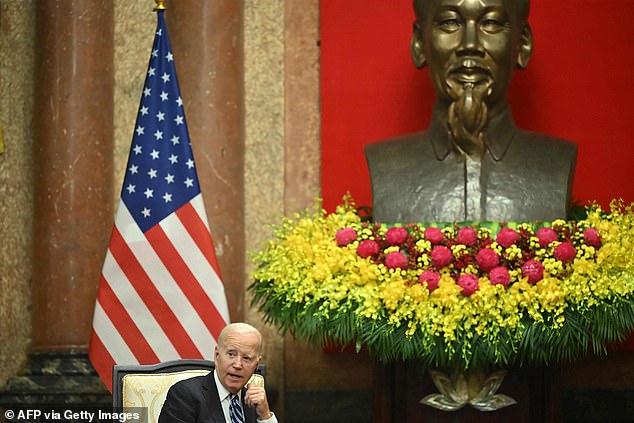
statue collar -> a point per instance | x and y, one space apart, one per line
500 132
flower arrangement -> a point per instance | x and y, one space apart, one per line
455 296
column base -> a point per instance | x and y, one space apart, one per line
54 379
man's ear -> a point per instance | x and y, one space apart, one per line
526 47
416 47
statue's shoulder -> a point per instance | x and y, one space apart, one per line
545 144
397 149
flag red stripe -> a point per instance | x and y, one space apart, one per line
177 267
124 324
152 298
101 360
200 234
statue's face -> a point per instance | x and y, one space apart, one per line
474 42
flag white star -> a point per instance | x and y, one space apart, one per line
169 56
152 173
173 159
178 120
155 53
190 163
154 154
164 96
149 193
160 116
166 77
179 101
167 197
175 140
146 212
169 178
134 169
138 149
144 110
140 130
130 188
151 72
189 182
147 92
158 135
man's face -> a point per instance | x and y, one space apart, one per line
237 359
471 42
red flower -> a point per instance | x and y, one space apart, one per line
592 237
440 256
431 278
468 283
396 236
507 237
565 252
467 236
533 270
433 235
546 236
345 236
487 259
499 276
368 248
396 260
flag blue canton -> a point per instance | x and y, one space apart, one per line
160 175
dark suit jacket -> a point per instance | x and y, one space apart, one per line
196 400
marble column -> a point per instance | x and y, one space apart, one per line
206 40
73 197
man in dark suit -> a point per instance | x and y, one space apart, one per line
472 163
224 395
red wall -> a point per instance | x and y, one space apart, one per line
577 87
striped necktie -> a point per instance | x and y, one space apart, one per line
235 409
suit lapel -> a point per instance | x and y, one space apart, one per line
212 400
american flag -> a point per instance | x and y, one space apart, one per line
160 296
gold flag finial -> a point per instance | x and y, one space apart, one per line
160 5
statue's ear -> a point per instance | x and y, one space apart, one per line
526 47
416 47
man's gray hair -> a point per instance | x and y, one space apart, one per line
240 328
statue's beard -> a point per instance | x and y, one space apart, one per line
468 113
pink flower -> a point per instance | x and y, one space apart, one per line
433 235
396 260
467 236
507 237
546 236
487 259
367 248
468 283
499 276
345 236
440 256
592 237
565 252
533 270
396 236
431 278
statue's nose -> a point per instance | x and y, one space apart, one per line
470 42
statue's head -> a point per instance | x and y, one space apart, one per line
472 48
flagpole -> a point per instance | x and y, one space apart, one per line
160 5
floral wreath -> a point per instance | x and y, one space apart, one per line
455 296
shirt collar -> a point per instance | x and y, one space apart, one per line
500 132
223 393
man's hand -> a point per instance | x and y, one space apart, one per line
256 397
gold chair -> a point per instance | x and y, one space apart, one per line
143 388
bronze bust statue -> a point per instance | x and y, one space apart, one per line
472 163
